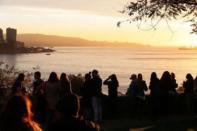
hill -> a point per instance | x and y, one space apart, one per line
52 40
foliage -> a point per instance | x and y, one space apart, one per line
8 75
76 83
157 10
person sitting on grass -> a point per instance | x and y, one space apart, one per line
67 116
18 87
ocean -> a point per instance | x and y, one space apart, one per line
121 61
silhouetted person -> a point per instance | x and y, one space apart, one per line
153 86
38 97
17 115
172 98
154 93
65 87
52 88
173 91
96 83
18 87
67 118
131 91
112 84
38 85
188 86
165 84
141 87
87 98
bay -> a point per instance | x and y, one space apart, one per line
121 61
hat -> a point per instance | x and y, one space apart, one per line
133 76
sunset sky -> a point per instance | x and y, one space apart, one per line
89 19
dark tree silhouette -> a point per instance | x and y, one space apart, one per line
157 10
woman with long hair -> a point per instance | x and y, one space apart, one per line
18 87
65 87
17 115
52 90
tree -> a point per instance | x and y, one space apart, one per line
157 10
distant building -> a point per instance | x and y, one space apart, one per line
1 36
11 35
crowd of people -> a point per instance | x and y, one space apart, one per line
57 107
163 92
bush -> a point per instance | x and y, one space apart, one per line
76 83
8 75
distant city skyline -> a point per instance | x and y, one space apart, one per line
92 20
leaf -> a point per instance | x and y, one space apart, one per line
118 24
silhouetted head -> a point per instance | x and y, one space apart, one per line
166 76
153 76
114 79
139 76
87 76
173 75
37 75
189 76
63 77
21 77
69 105
53 77
95 73
133 77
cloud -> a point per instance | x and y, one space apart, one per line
105 7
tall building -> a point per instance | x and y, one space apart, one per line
11 35
1 35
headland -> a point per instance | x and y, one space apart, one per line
10 45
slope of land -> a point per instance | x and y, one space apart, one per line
51 40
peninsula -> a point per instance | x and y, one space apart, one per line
11 46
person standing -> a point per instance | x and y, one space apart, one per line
87 98
131 91
188 86
52 88
154 94
65 87
141 87
173 91
165 85
38 97
112 84
96 83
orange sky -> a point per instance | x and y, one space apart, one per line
93 20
